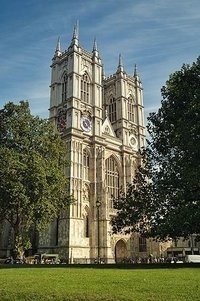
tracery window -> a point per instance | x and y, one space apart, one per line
112 110
86 164
64 88
142 244
112 179
85 88
130 109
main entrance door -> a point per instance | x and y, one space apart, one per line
121 252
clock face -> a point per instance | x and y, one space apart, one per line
133 141
86 124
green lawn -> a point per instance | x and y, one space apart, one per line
78 284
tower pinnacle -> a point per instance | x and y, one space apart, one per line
135 70
58 48
120 65
95 45
95 50
137 78
75 35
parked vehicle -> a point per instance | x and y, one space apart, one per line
44 258
50 258
10 260
192 258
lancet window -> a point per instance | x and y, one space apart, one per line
112 110
64 88
85 88
112 179
131 112
86 164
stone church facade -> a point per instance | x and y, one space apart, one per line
101 119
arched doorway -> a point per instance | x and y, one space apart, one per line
121 252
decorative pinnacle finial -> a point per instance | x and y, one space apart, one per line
58 48
120 65
120 60
95 49
95 45
58 44
75 33
135 70
77 28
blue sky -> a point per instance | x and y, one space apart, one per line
158 35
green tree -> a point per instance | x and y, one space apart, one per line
33 187
164 199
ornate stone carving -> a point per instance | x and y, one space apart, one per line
86 111
133 129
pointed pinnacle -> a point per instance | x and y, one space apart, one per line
120 60
58 45
75 33
120 66
135 70
95 45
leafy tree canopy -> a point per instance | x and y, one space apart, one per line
164 199
33 187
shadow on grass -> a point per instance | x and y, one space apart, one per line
105 266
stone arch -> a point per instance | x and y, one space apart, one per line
86 221
117 160
85 72
88 150
86 210
121 251
131 97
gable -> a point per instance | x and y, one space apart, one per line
107 128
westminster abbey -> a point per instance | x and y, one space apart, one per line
101 118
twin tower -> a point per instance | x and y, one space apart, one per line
101 119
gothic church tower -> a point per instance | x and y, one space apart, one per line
102 121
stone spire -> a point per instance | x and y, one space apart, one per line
120 65
95 49
75 35
136 73
95 45
58 48
135 70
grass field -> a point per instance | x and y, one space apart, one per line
86 284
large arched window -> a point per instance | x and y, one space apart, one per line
112 179
86 164
112 110
85 88
130 103
64 88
